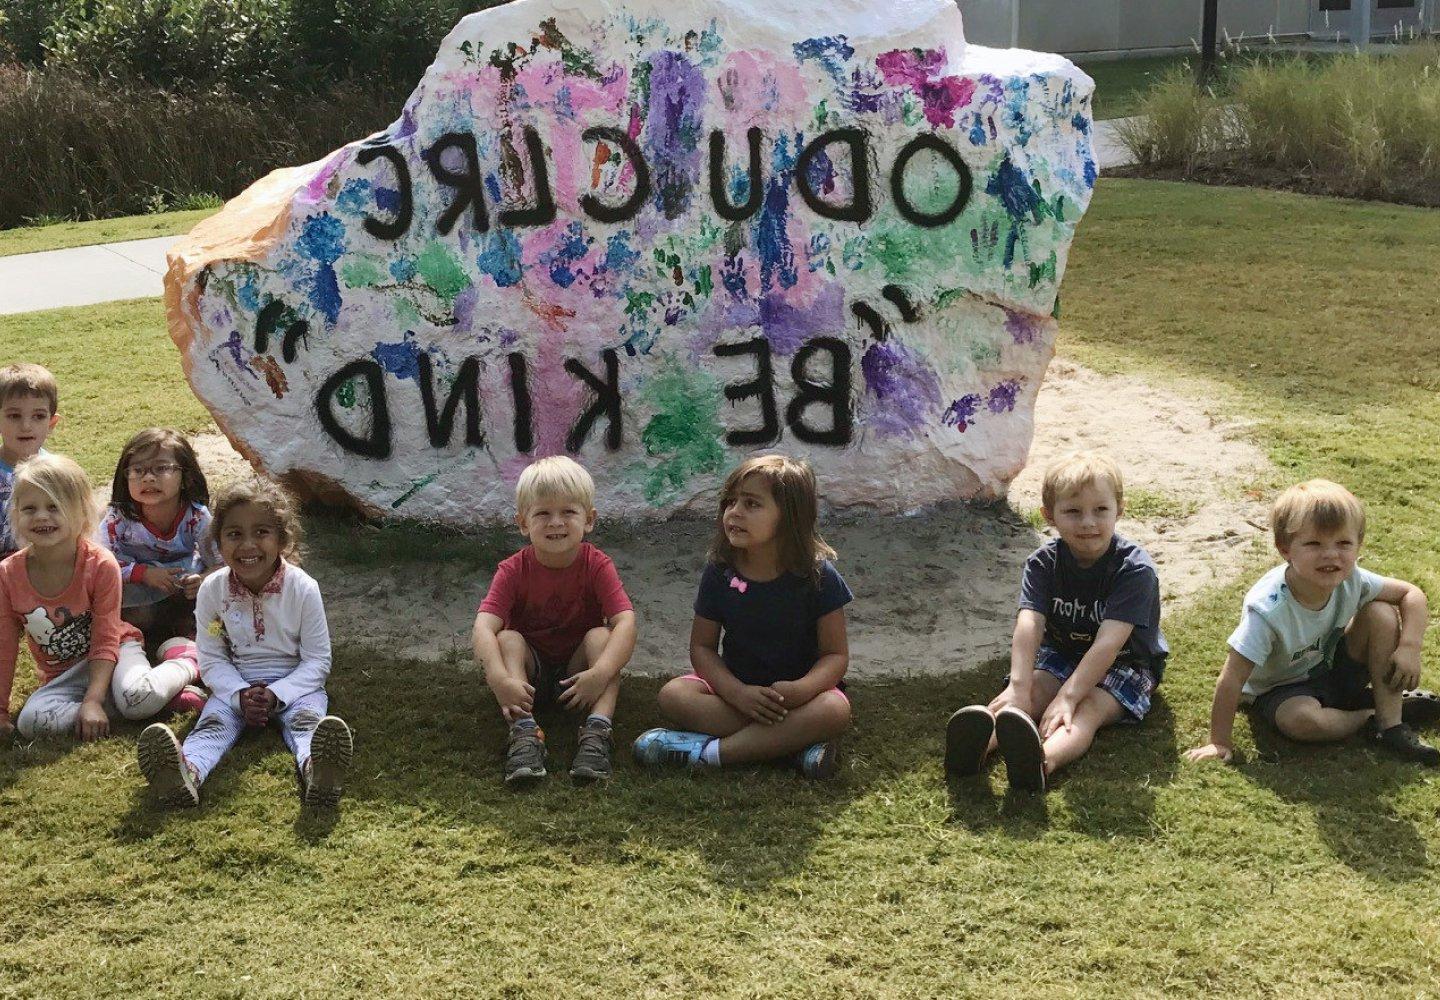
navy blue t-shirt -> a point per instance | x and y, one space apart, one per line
1122 586
769 629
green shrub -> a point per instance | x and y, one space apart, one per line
94 151
247 45
1363 125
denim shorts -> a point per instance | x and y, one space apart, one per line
1346 686
1130 685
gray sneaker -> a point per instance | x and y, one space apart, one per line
592 754
525 757
165 769
331 749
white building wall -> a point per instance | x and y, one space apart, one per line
1096 26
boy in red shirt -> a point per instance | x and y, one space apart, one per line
556 625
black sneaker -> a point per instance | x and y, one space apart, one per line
1021 748
967 738
525 757
331 749
1401 741
592 754
1420 708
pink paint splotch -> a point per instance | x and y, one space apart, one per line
921 70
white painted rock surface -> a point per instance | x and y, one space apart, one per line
660 236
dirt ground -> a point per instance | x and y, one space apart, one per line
934 591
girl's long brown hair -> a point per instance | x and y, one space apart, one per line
193 488
792 484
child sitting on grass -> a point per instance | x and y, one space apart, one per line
158 526
1325 648
63 591
264 652
556 626
29 403
775 690
1087 650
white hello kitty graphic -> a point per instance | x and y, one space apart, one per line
68 640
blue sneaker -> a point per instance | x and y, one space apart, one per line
819 760
656 747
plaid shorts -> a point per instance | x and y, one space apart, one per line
1130 685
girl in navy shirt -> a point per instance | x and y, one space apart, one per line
774 688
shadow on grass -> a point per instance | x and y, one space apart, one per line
1110 792
1350 787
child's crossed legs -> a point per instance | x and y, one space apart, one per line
692 704
1370 641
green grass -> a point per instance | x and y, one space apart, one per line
62 235
1301 872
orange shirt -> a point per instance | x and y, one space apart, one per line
80 623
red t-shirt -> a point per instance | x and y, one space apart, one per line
554 608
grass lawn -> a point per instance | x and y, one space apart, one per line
61 235
1301 872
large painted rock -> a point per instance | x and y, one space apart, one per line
659 236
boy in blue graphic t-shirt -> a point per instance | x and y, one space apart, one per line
1087 650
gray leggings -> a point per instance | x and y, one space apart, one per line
219 726
137 691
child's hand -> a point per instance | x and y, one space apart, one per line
1211 751
1011 697
584 689
256 703
763 704
1060 713
1404 672
191 585
792 693
165 580
516 698
91 723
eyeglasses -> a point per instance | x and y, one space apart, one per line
159 471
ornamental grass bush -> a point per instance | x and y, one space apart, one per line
1361 125
77 148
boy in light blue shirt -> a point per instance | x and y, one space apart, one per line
1325 648
29 400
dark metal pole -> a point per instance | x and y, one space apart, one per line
1208 31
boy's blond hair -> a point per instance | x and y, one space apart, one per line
64 482
1318 504
557 477
25 379
1077 470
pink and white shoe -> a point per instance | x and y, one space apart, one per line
181 648
190 699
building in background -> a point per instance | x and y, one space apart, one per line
1140 27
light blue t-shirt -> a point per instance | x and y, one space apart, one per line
1287 641
7 487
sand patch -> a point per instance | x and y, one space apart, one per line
935 591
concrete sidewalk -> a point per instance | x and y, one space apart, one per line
83 276
135 269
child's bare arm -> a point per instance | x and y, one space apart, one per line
1100 657
751 700
92 723
487 646
1414 616
1233 676
1024 646
830 666
624 627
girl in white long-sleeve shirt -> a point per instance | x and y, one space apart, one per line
264 653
